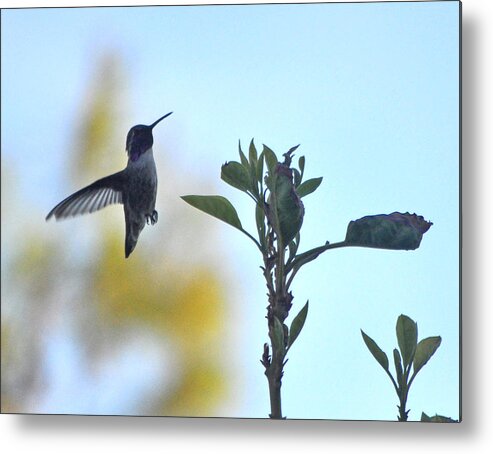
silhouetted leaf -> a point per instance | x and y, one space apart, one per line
252 152
260 167
308 186
270 159
297 324
292 249
278 335
436 418
407 337
396 231
424 351
260 220
253 171
286 209
236 175
243 158
297 177
398 365
301 165
216 206
376 351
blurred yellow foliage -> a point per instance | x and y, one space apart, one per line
184 306
181 307
97 140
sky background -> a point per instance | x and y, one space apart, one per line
370 91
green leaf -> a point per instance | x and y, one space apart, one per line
301 165
286 210
252 151
297 177
297 325
260 220
243 158
397 231
270 159
308 186
260 167
398 365
293 247
407 337
424 351
376 351
217 206
425 417
278 336
236 175
253 171
436 418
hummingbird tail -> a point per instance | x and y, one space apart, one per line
132 233
129 246
130 242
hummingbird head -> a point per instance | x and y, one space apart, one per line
139 139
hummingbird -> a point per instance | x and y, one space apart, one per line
135 187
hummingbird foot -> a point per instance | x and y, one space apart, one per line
152 218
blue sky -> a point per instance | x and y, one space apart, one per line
370 91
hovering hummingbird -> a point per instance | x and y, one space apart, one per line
135 187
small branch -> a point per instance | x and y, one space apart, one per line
412 378
253 239
393 382
311 255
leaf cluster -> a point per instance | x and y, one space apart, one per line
411 354
276 189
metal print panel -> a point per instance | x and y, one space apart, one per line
284 245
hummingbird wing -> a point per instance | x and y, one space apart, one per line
101 193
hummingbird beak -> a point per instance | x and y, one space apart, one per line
157 121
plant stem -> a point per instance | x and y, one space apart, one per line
280 275
402 410
402 400
274 375
274 368
279 305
